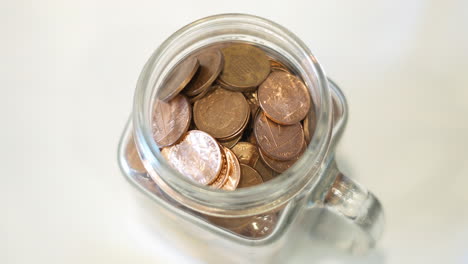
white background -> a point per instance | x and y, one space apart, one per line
68 70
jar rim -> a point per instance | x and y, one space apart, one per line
247 201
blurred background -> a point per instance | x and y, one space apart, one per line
69 68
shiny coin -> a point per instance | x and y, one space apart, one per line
247 153
278 141
234 171
178 79
249 177
221 113
281 165
245 67
197 156
211 64
223 174
284 98
171 120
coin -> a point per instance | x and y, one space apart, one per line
245 67
253 102
221 113
247 153
197 156
230 143
278 141
278 66
266 172
234 171
284 98
223 174
211 63
280 165
178 79
309 124
258 226
171 120
133 158
249 177
202 94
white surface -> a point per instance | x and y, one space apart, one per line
68 70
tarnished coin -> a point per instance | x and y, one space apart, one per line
249 177
197 156
221 113
266 172
234 171
281 165
252 99
247 153
178 79
278 141
223 174
284 98
171 120
230 143
211 63
245 67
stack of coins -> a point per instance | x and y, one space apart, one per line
229 116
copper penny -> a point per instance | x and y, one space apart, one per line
247 153
211 63
278 141
249 177
309 127
252 99
133 158
202 94
197 156
281 165
284 98
223 174
278 66
234 171
230 143
258 226
171 120
221 113
178 78
245 67
266 172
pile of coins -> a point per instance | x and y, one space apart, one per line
229 116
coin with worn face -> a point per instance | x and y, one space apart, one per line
245 67
171 120
178 79
221 113
266 172
249 177
281 165
247 153
284 98
211 64
233 173
278 141
197 156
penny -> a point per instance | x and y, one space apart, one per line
221 113
239 132
249 177
258 226
247 153
252 99
223 174
266 172
178 78
230 143
234 171
245 67
211 63
133 158
171 120
284 98
278 141
281 165
202 94
197 156
309 127
278 66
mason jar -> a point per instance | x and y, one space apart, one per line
311 199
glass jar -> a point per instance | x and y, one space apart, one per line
298 203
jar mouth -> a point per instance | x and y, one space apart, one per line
241 28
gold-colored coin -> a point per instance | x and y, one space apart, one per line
249 177
247 153
245 67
